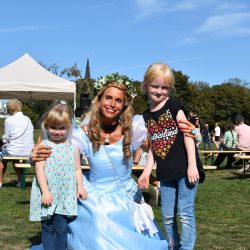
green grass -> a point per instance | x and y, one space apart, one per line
222 212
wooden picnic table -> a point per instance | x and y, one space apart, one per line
19 162
210 154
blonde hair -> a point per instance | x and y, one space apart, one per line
13 106
124 119
159 69
58 115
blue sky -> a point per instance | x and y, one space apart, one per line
208 40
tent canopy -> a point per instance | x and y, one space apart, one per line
27 79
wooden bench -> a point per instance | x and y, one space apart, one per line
244 158
19 162
135 167
210 154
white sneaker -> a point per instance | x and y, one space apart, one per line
247 168
18 185
1 184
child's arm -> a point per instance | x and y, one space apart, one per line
81 192
137 155
47 198
143 180
192 172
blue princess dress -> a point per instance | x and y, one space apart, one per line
109 219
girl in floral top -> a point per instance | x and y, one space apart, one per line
58 182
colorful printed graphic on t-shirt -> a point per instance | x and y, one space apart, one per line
163 133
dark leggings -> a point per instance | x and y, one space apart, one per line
54 232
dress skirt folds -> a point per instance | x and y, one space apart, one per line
105 222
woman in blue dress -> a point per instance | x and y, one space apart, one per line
113 216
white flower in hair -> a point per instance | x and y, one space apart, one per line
116 77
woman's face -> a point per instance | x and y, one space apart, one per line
158 91
111 104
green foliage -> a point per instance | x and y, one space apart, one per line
35 109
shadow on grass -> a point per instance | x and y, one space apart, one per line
10 184
35 240
23 202
238 176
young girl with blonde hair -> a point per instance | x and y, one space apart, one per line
58 182
175 157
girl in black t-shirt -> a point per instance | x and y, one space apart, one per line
174 155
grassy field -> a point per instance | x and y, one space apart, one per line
222 212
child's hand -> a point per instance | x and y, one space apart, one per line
193 174
47 199
143 181
82 194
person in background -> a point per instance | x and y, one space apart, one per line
194 119
206 138
175 156
217 134
78 116
229 144
196 122
17 137
58 181
243 138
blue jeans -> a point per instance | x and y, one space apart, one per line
178 196
54 232
207 143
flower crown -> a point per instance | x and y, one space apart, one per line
116 77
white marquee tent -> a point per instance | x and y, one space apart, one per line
27 79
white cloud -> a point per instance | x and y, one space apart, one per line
221 22
195 58
226 6
145 8
27 28
186 5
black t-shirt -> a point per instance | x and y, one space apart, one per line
167 141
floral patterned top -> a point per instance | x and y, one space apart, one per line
60 173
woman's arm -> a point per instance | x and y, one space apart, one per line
81 192
192 172
186 127
6 133
40 152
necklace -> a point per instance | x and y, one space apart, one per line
109 130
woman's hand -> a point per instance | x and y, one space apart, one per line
47 199
187 128
40 152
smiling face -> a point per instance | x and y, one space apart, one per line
111 104
158 90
